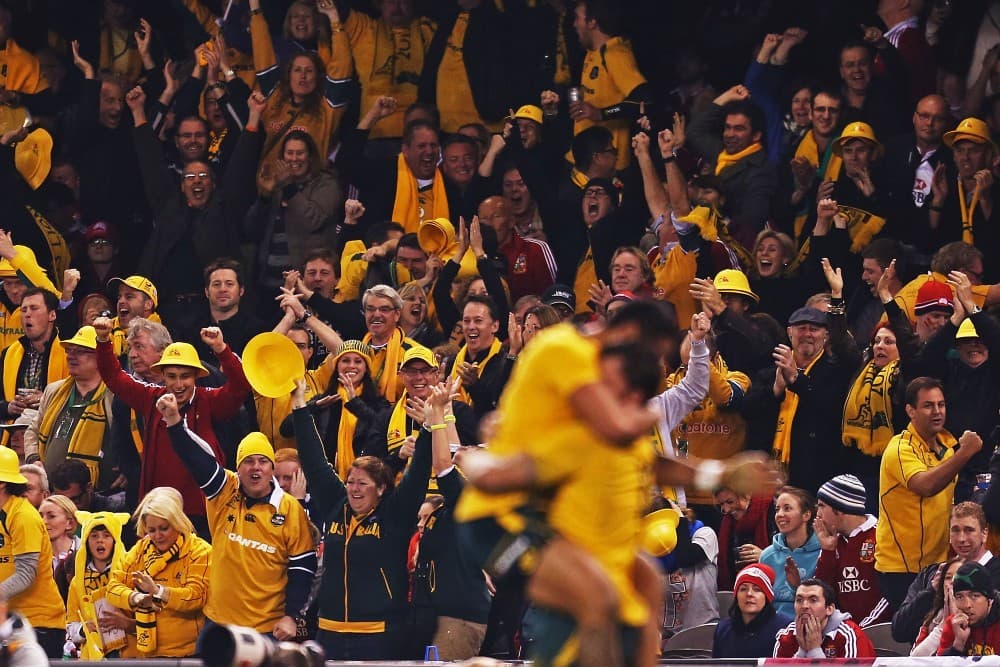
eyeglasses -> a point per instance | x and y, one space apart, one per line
595 192
199 175
192 135
100 242
426 371
384 310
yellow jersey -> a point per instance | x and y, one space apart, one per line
536 416
609 74
22 531
252 548
912 531
603 490
454 94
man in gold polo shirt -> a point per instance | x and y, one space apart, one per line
26 581
916 488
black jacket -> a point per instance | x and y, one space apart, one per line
364 557
749 185
184 239
816 449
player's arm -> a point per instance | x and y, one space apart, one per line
595 405
746 472
496 474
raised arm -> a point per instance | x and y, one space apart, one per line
326 488
193 451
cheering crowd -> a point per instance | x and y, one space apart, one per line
554 271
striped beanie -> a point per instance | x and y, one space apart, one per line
844 493
760 575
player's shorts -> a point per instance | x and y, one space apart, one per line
555 642
506 555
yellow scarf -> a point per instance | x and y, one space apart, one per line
862 226
808 149
495 348
397 426
407 209
579 178
586 275
345 434
88 435
868 409
385 364
725 160
153 563
968 211
782 448
57 368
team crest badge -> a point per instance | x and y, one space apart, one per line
868 551
278 520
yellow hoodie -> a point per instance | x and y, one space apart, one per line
89 586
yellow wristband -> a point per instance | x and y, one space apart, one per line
449 419
438 427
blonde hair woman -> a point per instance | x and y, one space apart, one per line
163 579
59 514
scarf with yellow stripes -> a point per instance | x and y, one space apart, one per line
88 435
460 358
868 409
153 562
782 447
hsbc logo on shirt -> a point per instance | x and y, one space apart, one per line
850 582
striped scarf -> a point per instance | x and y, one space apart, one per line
868 409
782 448
460 358
153 562
88 435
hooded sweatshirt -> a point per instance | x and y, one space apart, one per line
805 557
842 638
90 583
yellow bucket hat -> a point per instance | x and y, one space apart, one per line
531 112
862 131
734 281
85 337
970 129
182 354
33 157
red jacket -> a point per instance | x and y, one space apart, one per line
842 638
531 267
983 639
160 465
851 570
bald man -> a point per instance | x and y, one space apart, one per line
909 164
531 268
